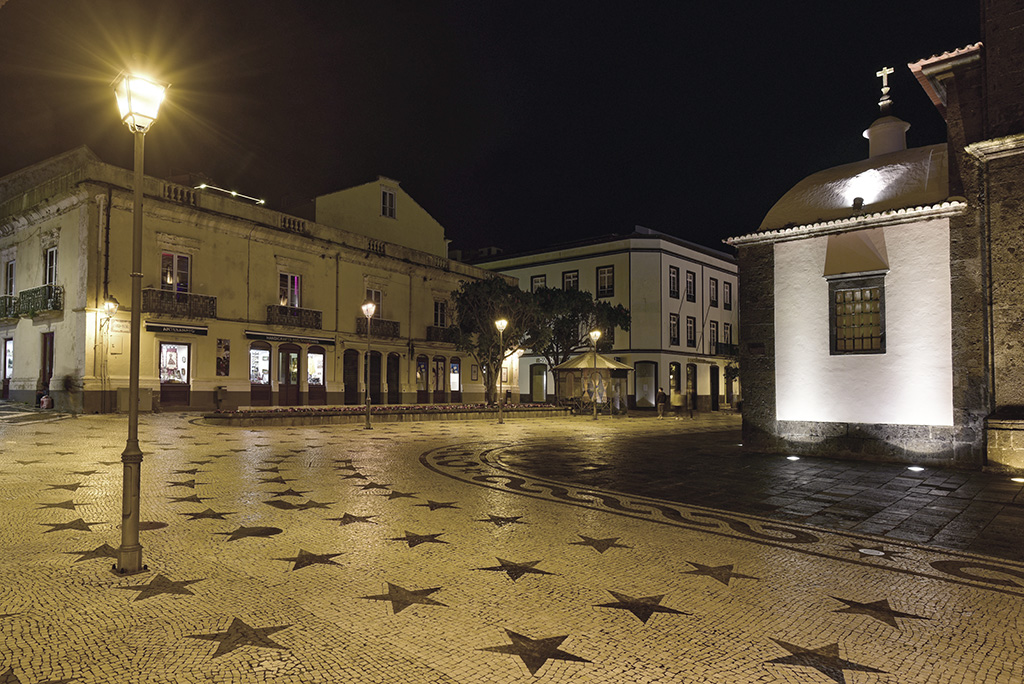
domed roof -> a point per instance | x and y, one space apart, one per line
907 178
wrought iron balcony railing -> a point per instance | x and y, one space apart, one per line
380 328
38 300
437 334
8 307
290 315
180 304
726 349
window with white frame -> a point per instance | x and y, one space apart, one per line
290 290
387 202
440 313
537 282
9 278
570 280
175 272
691 331
605 281
726 333
713 291
727 296
691 286
713 337
673 282
51 266
377 297
673 329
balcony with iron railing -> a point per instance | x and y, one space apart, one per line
41 300
294 316
179 304
380 328
438 334
722 349
8 307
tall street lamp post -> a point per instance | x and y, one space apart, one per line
501 324
369 307
595 335
138 99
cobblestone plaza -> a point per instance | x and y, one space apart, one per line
557 550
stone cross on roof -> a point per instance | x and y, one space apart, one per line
886 102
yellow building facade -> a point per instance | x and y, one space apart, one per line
241 305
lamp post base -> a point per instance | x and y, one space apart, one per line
129 561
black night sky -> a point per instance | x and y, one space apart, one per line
514 124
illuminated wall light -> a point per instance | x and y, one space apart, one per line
233 193
792 458
1017 479
916 469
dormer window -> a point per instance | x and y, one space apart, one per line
387 202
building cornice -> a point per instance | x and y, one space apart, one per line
997 148
950 207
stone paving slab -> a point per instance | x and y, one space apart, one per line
426 553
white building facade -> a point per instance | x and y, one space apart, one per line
683 303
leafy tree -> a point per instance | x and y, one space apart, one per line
564 321
478 304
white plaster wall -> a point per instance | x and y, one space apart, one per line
912 382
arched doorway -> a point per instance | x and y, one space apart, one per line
316 374
394 379
691 386
437 374
714 388
259 374
422 372
175 368
455 378
375 378
538 383
645 383
288 374
350 376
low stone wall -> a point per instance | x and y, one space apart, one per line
1005 439
299 417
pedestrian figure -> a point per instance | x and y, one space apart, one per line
677 403
660 402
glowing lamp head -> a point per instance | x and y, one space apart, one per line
110 307
501 324
369 307
138 99
595 335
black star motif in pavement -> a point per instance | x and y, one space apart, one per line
343 461
517 570
237 451
880 610
191 484
502 520
104 551
86 473
417 539
208 514
305 559
273 469
8 677
872 551
69 487
190 471
109 463
290 492
599 545
78 524
281 504
306 505
243 532
395 494
195 498
275 480
240 634
27 462
374 485
354 476
643 607
160 585
825 659
69 505
535 652
217 455
722 573
402 598
435 505
348 519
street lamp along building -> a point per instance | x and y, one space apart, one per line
241 305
